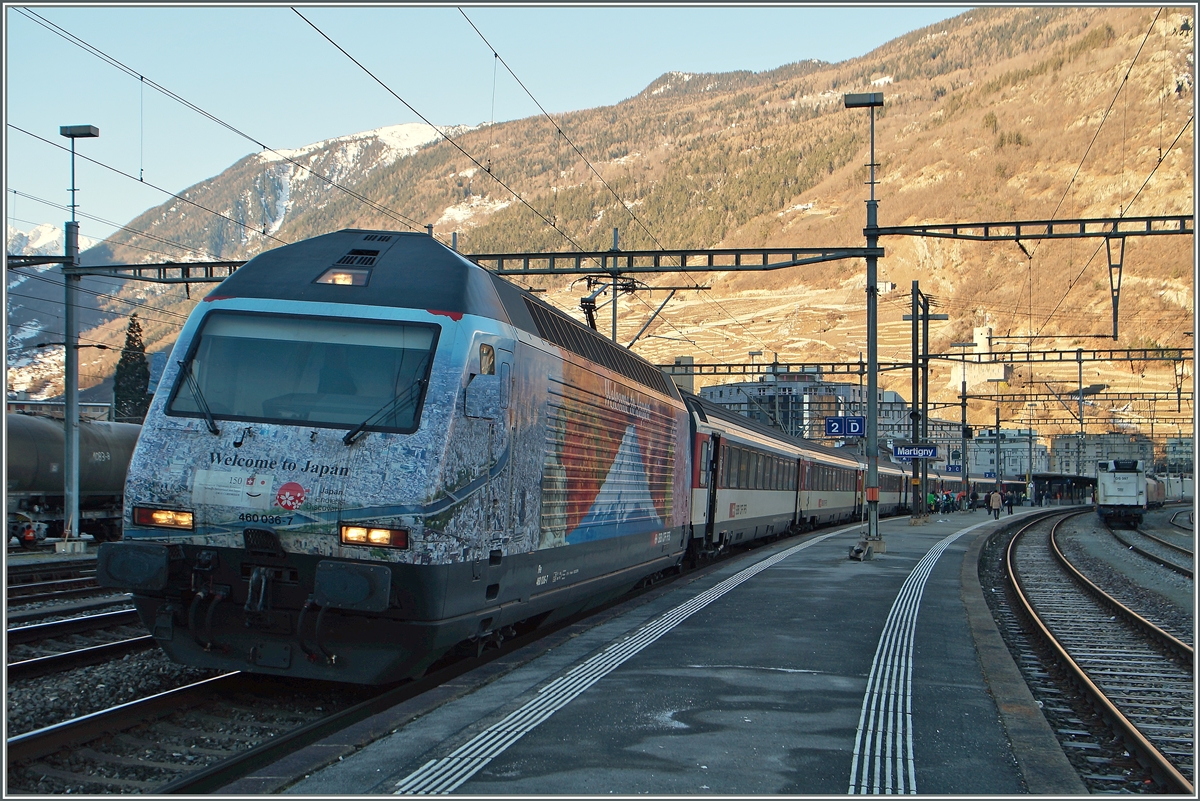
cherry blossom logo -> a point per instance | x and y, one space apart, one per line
290 496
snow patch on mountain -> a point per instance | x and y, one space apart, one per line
398 141
42 240
464 213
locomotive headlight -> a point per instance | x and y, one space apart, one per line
389 537
354 534
162 518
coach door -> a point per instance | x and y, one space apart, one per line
799 465
713 471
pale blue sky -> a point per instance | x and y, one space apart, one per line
266 72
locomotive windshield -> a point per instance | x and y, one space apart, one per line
311 371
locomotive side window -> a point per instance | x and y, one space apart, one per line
312 371
487 360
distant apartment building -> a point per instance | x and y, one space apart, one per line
1179 455
1015 453
1078 456
797 403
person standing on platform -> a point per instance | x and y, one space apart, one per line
1009 500
995 501
974 499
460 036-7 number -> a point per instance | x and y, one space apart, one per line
272 520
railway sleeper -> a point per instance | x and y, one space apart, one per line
91 779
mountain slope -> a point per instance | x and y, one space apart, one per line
988 118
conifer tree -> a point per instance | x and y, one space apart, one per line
132 379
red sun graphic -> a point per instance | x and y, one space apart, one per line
290 496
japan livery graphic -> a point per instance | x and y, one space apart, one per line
610 461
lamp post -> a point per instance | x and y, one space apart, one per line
920 391
871 100
1079 445
71 351
1029 475
999 480
966 485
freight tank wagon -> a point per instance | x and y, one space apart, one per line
35 451
367 450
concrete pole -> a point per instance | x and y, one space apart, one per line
614 287
925 389
966 485
872 356
1079 445
915 414
71 379
998 478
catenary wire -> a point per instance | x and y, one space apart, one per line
85 290
135 247
1075 280
442 133
624 205
122 227
395 215
134 303
1100 127
147 183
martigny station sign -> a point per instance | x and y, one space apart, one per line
918 451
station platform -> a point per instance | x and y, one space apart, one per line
790 669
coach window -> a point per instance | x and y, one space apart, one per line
704 464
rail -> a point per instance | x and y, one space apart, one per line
1135 740
1153 557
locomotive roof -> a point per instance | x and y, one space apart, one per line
409 270
709 410
415 271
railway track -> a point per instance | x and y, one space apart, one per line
201 737
1168 554
1138 677
52 581
44 648
169 741
1190 527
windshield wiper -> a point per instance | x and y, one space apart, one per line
194 386
409 396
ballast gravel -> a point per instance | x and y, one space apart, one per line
35 703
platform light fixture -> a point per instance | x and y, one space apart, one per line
871 100
71 351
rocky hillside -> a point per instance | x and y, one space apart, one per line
999 114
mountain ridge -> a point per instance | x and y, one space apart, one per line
987 117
